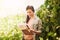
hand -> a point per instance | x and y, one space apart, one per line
38 32
30 29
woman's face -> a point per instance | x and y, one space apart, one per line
30 13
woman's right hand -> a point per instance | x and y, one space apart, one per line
30 28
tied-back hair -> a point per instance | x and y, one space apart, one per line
29 7
27 19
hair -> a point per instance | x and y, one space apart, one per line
27 19
29 7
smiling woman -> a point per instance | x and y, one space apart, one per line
13 7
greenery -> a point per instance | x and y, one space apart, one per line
49 13
9 27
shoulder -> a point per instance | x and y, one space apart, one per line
37 18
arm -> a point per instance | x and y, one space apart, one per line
39 27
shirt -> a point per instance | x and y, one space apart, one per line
36 25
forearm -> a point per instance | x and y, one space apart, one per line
37 32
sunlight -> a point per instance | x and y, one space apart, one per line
13 7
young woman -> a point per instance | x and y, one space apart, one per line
34 25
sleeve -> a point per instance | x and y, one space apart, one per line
39 26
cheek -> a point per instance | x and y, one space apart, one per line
31 14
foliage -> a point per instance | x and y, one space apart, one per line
49 13
9 27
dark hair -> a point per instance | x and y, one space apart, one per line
29 7
27 19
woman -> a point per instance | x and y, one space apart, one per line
34 25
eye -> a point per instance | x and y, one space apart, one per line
28 12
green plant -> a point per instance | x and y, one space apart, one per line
49 13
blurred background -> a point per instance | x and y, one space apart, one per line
13 12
